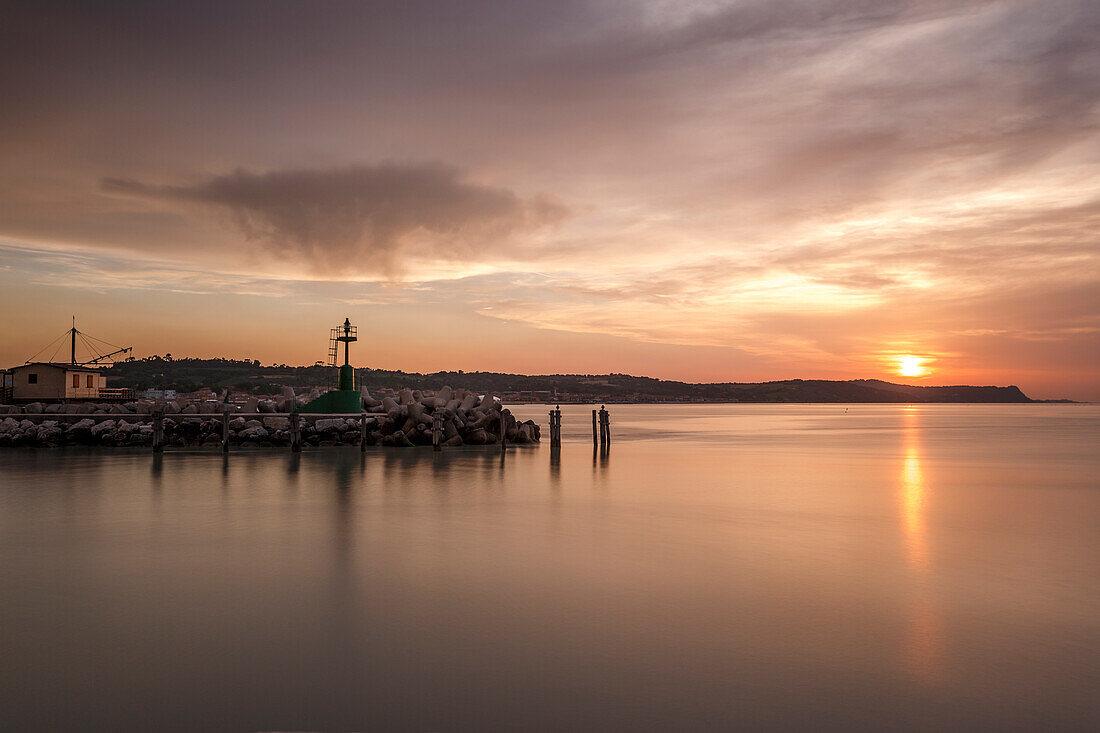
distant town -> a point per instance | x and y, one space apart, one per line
168 377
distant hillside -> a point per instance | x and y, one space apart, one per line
188 375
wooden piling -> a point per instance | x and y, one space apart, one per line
595 431
295 432
363 431
225 429
555 427
607 426
158 431
437 430
503 433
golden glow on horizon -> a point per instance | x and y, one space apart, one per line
911 366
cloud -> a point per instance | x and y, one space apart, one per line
365 217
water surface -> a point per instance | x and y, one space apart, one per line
721 566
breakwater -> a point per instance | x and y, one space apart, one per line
398 418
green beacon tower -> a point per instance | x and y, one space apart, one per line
345 398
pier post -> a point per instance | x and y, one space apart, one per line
595 430
555 427
295 432
503 433
158 431
607 426
363 431
437 430
604 429
225 428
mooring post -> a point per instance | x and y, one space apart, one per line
295 432
363 431
603 425
225 428
607 426
555 427
503 433
595 430
158 431
437 430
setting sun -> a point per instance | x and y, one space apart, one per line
911 366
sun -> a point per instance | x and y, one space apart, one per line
911 366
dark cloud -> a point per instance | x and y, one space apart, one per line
364 216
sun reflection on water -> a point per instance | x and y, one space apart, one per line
922 652
912 503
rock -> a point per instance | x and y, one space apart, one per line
368 401
477 437
52 408
34 408
50 435
327 423
103 427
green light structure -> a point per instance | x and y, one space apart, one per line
345 398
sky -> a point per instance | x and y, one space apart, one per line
705 191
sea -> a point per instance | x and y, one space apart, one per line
715 567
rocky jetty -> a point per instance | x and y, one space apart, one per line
399 418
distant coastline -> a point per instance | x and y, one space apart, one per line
190 375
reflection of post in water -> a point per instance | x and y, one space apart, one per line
602 452
158 469
924 641
225 473
293 472
555 467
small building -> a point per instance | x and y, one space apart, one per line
53 382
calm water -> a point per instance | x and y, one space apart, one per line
824 567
